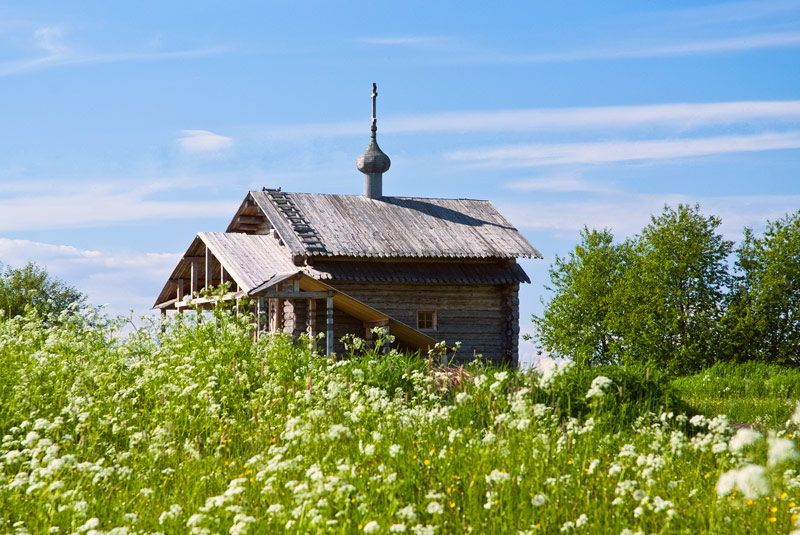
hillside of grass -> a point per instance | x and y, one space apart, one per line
196 428
755 393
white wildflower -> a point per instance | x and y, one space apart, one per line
552 369
195 520
394 450
581 521
698 420
14 457
796 414
593 466
240 524
538 500
751 481
780 450
92 523
408 513
569 525
372 527
743 438
497 476
719 447
435 508
397 528
598 387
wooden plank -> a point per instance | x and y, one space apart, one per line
193 285
291 294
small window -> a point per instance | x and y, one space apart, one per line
426 320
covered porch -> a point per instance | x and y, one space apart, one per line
287 298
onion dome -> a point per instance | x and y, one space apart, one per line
373 160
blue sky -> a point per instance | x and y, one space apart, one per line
127 128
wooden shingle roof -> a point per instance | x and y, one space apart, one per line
249 259
320 225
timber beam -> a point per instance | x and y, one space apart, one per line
290 294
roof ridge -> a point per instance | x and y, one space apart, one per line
356 195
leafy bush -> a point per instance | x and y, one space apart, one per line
633 392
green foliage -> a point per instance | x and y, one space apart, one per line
635 392
763 320
668 301
653 300
32 288
577 321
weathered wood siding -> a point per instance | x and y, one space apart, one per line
483 317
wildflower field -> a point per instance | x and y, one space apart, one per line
198 429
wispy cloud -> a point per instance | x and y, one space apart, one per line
203 141
636 50
90 205
627 213
731 12
680 116
533 155
56 52
409 41
556 184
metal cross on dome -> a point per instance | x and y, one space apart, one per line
374 98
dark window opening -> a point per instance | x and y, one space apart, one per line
426 319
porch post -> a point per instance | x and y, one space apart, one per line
260 318
311 323
329 333
207 270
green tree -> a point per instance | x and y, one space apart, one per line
763 319
671 300
655 299
575 323
32 287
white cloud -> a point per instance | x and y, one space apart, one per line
626 214
638 51
732 44
85 205
125 280
408 41
679 116
542 154
556 184
50 40
203 141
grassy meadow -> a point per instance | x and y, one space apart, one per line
198 429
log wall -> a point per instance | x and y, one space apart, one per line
483 317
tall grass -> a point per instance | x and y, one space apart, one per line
753 392
199 429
